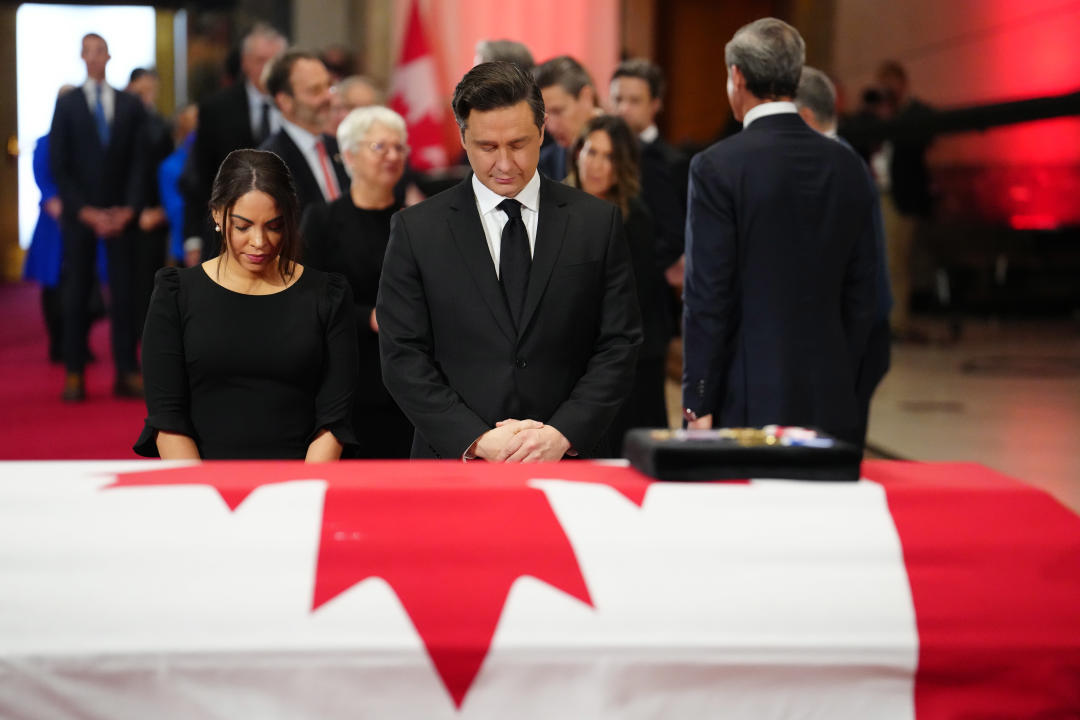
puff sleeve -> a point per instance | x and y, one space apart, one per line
334 400
164 368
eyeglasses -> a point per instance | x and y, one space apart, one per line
383 149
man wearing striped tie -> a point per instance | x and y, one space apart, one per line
95 153
300 85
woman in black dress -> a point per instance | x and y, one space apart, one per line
349 236
605 164
250 354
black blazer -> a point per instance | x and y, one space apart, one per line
87 173
663 188
451 356
781 279
224 126
307 187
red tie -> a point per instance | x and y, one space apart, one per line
328 175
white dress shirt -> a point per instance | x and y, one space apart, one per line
108 99
306 142
493 219
769 108
649 134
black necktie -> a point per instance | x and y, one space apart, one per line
514 258
264 124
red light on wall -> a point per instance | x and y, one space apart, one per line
1035 221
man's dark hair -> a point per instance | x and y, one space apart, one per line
892 67
648 71
279 70
494 85
770 55
139 72
507 51
564 71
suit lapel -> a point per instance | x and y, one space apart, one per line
550 231
471 242
296 162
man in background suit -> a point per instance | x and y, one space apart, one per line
570 99
816 101
637 91
300 85
508 320
240 116
151 242
781 263
95 162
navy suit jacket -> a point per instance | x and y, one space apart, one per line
88 173
781 276
307 187
451 355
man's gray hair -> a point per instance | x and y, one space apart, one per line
264 31
352 81
358 123
818 94
770 54
506 51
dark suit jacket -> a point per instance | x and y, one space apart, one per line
780 279
451 355
307 187
87 173
663 188
224 126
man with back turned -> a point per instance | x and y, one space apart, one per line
781 263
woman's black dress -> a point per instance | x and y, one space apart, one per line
340 237
248 376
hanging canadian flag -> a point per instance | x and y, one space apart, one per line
415 94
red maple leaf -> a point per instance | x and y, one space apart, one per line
451 551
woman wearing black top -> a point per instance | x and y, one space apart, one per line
250 354
605 164
349 236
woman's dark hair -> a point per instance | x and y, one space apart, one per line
624 158
246 170
495 85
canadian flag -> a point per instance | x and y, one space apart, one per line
443 591
414 93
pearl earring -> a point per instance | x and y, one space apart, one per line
217 228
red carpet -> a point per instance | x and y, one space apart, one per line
34 424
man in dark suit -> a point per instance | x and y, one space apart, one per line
240 116
508 321
816 101
637 91
570 98
300 85
95 161
781 264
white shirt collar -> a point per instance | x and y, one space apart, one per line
768 108
303 139
256 98
649 134
487 199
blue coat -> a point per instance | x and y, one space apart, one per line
45 254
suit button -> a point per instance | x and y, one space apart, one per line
521 363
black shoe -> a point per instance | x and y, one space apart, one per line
128 385
74 388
